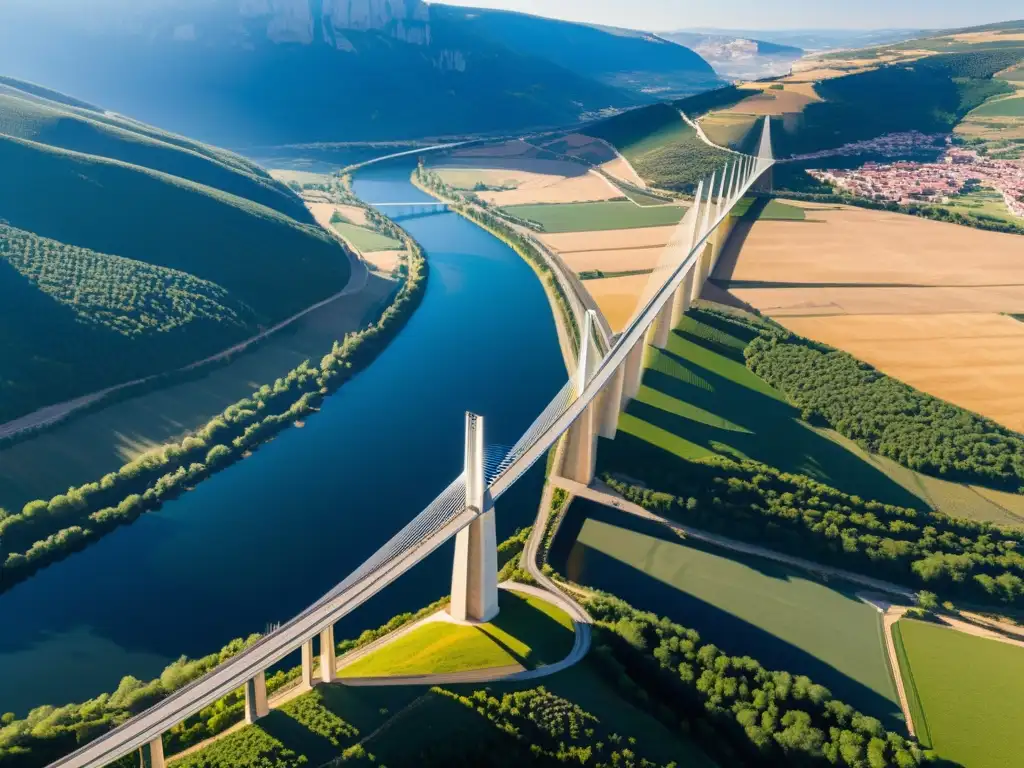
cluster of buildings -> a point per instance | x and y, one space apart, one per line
956 172
890 145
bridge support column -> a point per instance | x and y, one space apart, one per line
611 403
633 367
702 268
662 327
308 681
681 302
580 455
475 573
152 755
256 698
328 657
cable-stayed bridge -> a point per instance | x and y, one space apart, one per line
608 375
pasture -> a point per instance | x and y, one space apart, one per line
783 617
365 240
897 292
598 217
527 633
1008 107
699 399
968 691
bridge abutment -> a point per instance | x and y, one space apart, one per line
475 570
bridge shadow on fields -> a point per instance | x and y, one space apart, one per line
699 399
643 584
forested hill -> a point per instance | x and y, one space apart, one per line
30 112
118 262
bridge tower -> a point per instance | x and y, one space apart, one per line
765 154
475 573
580 454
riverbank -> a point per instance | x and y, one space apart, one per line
565 320
47 531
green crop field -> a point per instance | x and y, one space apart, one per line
528 631
752 209
592 217
366 240
1010 107
745 605
968 689
983 202
699 399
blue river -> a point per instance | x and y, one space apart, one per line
256 543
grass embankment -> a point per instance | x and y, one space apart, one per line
968 693
528 632
784 617
596 217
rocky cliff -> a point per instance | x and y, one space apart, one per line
299 21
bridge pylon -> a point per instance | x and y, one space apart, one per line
765 155
475 572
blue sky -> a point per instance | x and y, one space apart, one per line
663 15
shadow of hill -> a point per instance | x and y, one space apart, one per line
731 633
754 421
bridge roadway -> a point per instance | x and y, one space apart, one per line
444 518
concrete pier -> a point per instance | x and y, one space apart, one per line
475 570
328 656
255 699
308 681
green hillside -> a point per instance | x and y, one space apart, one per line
126 251
930 95
66 308
37 114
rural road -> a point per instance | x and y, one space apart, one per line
703 136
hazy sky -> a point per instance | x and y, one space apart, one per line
664 15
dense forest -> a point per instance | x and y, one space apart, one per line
887 416
740 712
930 95
47 530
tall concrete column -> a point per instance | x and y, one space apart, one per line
152 755
681 302
328 656
308 680
256 698
475 572
662 327
703 267
580 455
611 403
633 372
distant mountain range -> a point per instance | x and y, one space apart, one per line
739 57
812 40
245 72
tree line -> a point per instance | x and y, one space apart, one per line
47 530
887 416
740 712
794 514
